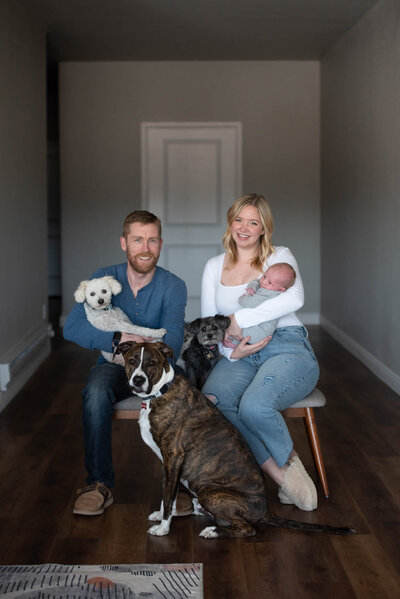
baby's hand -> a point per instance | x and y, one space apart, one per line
250 291
229 343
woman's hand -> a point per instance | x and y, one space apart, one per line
244 349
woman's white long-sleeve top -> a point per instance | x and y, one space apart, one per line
217 298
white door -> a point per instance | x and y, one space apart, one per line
191 174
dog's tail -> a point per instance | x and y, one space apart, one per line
274 520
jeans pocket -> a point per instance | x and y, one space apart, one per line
290 335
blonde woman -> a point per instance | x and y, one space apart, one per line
253 383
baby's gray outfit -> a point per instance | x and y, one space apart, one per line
264 329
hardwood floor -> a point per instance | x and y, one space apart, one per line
41 465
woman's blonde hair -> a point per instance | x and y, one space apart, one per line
264 210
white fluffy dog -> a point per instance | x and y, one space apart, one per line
97 295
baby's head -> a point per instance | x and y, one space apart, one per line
278 277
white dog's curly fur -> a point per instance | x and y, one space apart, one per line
96 295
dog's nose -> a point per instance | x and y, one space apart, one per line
138 380
100 301
209 335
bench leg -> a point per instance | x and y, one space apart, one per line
312 432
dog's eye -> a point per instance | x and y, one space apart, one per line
104 291
152 363
214 328
204 329
92 293
132 361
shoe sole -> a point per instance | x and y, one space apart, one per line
92 513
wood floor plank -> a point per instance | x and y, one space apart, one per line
367 567
41 466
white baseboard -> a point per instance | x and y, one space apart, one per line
390 378
23 375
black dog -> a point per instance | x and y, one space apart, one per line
202 354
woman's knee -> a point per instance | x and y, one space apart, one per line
212 398
251 410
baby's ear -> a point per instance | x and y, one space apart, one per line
115 285
80 293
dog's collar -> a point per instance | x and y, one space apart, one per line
209 352
146 401
109 307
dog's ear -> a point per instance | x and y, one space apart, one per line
222 321
115 285
194 327
80 292
124 347
165 349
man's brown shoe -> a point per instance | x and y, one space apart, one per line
184 505
92 500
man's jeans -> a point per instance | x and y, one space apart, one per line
251 392
107 384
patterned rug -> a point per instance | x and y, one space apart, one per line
145 581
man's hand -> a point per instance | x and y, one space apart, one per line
136 338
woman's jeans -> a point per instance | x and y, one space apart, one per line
253 391
107 384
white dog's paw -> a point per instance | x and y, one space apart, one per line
159 530
156 516
209 533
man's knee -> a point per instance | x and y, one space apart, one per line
99 389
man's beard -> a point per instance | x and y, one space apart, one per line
143 267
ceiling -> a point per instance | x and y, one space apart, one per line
193 29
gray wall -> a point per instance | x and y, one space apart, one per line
360 96
102 106
23 252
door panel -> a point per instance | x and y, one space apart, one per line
191 173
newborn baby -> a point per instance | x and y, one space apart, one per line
276 279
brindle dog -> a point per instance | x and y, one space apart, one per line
199 447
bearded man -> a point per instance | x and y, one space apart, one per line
152 297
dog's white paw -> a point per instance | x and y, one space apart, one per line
209 533
197 509
156 516
159 530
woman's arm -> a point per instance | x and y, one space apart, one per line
289 301
209 283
